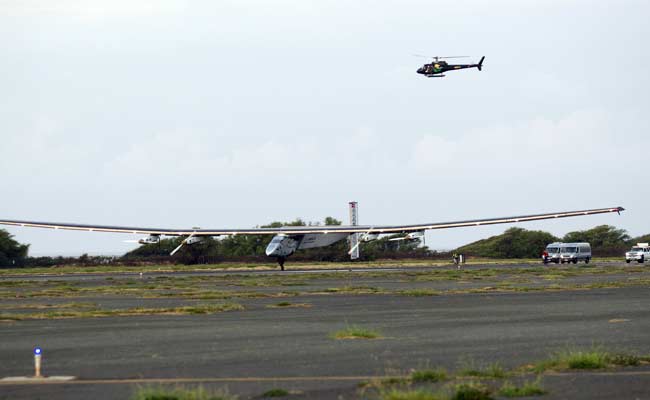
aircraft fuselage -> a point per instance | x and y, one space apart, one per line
285 245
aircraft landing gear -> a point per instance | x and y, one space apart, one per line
281 262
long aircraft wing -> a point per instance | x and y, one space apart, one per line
299 230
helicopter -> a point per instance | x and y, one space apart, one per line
438 67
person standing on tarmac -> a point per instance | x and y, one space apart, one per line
456 260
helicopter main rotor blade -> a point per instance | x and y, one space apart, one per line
438 57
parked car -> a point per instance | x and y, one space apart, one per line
638 253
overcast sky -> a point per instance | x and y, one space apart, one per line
237 113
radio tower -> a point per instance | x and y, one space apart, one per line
354 238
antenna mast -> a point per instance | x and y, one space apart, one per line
354 238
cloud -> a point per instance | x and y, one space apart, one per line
89 9
577 141
119 112
194 157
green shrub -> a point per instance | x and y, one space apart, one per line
275 393
419 394
470 368
593 358
162 393
429 375
356 332
471 391
533 388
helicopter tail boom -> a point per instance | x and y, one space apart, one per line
480 63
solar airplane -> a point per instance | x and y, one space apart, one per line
286 240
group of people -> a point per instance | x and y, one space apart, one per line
459 258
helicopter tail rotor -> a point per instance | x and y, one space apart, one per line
480 63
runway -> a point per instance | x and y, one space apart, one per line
266 346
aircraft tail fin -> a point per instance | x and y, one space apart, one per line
480 63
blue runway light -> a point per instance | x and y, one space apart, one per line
37 351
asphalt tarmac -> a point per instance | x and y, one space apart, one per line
251 351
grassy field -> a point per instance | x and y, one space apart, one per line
472 381
439 384
122 296
53 296
271 265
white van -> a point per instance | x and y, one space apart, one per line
639 253
574 252
553 251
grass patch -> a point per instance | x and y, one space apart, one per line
46 306
419 292
417 394
594 358
354 290
296 283
208 308
627 360
429 375
470 391
187 310
286 304
10 284
470 368
394 380
527 389
356 332
162 393
383 384
275 393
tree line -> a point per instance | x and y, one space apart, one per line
12 253
606 240
253 247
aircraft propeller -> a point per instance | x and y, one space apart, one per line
361 238
180 245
